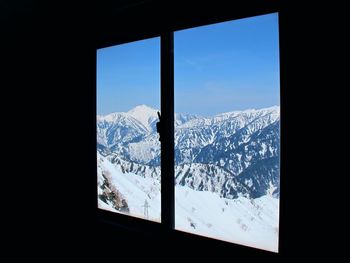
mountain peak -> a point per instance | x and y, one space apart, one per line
144 114
111 117
141 108
272 109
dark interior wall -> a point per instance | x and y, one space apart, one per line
49 74
140 19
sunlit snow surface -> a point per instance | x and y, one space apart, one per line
134 188
250 222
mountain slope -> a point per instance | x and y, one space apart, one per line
226 172
232 154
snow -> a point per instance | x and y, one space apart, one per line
245 116
144 114
145 150
243 221
271 189
134 188
112 117
104 206
197 122
250 222
267 110
249 182
134 131
264 148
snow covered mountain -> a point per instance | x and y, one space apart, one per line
251 222
226 171
234 153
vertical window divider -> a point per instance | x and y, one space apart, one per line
167 131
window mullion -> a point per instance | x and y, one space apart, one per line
167 130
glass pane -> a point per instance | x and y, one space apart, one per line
128 149
227 131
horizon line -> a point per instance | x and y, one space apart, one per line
155 109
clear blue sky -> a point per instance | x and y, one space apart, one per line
128 75
218 68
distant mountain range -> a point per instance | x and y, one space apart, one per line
232 154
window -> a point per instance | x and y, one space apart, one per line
220 151
227 131
128 149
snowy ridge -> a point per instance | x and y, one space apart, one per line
232 141
145 115
273 109
251 222
135 189
226 171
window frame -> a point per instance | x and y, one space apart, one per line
167 224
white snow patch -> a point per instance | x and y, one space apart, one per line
243 221
135 189
264 149
144 114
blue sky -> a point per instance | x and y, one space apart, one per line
218 68
128 75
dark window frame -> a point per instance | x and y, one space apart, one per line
167 225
